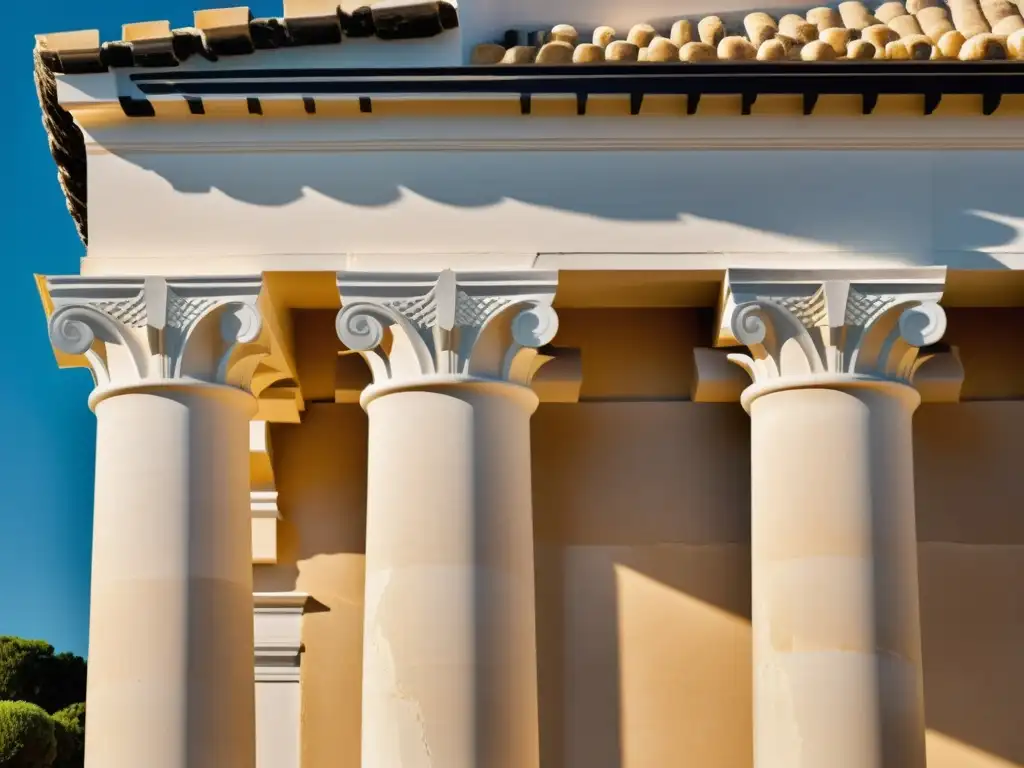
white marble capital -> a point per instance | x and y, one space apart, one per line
413 328
137 331
800 326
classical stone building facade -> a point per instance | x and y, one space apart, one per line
480 387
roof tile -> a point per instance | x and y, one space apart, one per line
919 30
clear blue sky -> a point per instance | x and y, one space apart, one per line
48 432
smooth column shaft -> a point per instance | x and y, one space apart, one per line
450 658
836 627
171 626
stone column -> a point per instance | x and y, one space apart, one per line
449 656
171 629
836 628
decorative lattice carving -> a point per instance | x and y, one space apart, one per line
130 312
838 324
131 331
448 324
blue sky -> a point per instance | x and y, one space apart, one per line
47 449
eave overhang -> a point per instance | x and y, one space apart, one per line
930 80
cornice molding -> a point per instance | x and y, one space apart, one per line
797 325
277 618
564 135
475 325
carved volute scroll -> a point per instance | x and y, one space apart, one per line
135 330
800 324
483 325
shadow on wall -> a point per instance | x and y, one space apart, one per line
643 584
643 573
912 204
971 563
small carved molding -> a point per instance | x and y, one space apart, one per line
277 630
132 330
485 325
799 324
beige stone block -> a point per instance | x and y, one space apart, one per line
797 28
565 33
145 30
824 18
79 40
759 27
934 22
520 54
711 30
897 51
886 12
309 9
716 380
968 18
682 33
855 15
838 38
818 50
1015 44
603 36
620 50
1007 26
916 6
487 53
222 18
736 48
641 35
772 50
905 26
996 11
919 47
587 53
696 52
861 49
264 541
662 49
983 47
879 35
556 52
951 43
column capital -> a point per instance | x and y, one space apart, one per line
144 331
414 328
801 326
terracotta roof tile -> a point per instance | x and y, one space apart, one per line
968 30
233 31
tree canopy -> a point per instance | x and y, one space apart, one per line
69 728
42 717
31 671
27 736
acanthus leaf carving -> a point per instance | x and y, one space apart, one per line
486 325
801 324
133 330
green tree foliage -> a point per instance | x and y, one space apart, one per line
27 736
69 728
31 671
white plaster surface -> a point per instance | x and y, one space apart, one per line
192 206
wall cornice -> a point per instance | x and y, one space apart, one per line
855 132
